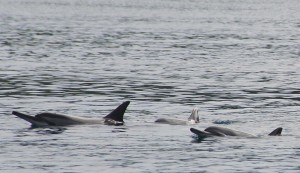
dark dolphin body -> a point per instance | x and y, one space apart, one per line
221 131
52 119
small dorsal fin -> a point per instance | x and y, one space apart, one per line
194 115
276 132
118 113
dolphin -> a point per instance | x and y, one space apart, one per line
222 131
51 119
193 119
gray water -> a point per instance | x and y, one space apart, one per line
237 61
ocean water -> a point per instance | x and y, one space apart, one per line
237 61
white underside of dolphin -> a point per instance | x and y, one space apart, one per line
52 119
193 119
222 131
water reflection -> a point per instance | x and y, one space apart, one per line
198 139
207 140
118 130
42 131
49 130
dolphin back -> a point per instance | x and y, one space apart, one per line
46 119
58 119
171 121
276 132
118 113
222 131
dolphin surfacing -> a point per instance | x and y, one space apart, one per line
193 119
52 119
222 131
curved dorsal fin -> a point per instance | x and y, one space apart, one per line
118 113
276 132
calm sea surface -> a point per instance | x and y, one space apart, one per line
237 61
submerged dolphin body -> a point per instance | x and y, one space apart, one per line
222 131
193 119
52 119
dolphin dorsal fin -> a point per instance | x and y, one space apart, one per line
276 132
194 115
118 113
